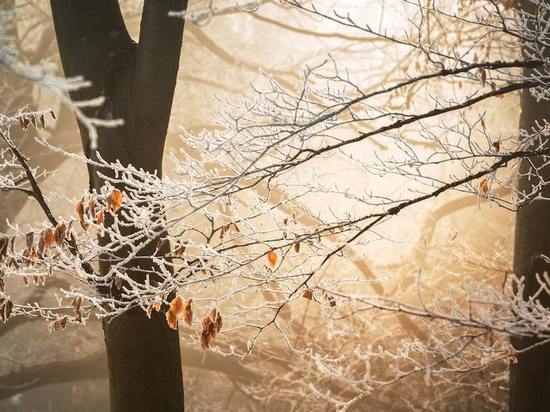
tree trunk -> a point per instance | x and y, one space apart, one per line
530 376
137 82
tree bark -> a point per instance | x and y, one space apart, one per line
530 376
137 82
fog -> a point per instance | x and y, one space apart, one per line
446 241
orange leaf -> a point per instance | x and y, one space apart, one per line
188 312
219 322
48 236
79 208
60 233
205 340
153 306
172 319
91 207
496 146
114 201
272 258
308 294
297 247
77 302
180 249
211 326
176 306
59 324
484 185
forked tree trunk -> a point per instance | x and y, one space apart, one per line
530 376
137 81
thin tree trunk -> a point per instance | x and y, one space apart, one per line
530 376
137 81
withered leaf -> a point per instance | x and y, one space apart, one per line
205 340
512 355
188 312
153 306
60 324
272 258
6 307
176 306
180 249
32 119
48 236
30 255
218 321
60 233
163 244
79 208
482 75
484 185
114 201
4 241
91 211
77 303
29 238
172 319
211 326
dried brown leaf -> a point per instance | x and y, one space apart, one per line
172 319
177 306
188 312
272 258
60 233
484 185
114 201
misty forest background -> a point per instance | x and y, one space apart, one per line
449 239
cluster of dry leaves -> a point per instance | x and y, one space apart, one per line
37 246
88 210
211 323
26 117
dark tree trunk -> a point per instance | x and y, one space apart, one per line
137 82
530 376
